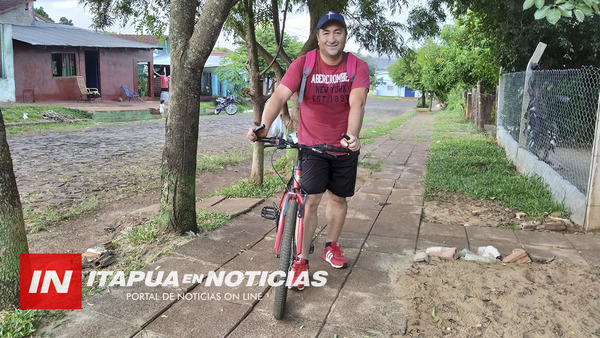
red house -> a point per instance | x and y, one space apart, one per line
42 60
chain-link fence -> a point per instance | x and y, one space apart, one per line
556 122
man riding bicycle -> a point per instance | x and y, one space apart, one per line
333 104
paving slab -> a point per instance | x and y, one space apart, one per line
86 324
360 226
183 265
397 197
591 256
136 305
389 244
335 277
369 281
209 202
385 315
538 238
380 187
211 251
261 324
407 227
409 184
199 318
312 303
442 230
148 211
555 253
385 175
369 215
377 261
235 206
367 201
347 240
345 331
584 242
491 235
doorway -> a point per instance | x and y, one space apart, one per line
91 69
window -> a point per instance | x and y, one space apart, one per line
63 64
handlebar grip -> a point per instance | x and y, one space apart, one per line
337 149
259 128
344 135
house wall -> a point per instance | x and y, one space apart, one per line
19 15
7 68
117 67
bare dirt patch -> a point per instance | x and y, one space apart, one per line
463 299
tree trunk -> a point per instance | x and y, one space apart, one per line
191 46
13 239
256 91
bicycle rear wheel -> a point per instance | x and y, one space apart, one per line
287 251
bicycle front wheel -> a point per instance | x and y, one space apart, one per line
287 251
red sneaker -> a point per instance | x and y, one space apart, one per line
335 256
300 271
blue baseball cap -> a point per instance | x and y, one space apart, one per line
331 16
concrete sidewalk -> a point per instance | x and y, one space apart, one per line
382 231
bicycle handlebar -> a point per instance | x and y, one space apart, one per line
281 143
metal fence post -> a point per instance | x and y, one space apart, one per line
535 58
592 213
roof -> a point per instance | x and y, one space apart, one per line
214 60
6 5
51 34
149 39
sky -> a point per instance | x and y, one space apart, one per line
297 24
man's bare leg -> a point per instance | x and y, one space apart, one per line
337 207
310 222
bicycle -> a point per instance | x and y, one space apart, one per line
288 215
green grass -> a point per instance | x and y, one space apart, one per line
37 221
218 161
384 128
23 323
34 113
375 166
143 233
211 220
243 188
463 161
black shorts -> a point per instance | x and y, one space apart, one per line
337 175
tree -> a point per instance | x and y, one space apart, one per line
512 33
13 239
65 21
41 12
406 71
193 33
554 10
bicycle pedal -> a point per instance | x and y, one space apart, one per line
271 213
312 248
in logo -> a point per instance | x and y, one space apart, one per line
50 281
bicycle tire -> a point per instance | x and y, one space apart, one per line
286 254
231 109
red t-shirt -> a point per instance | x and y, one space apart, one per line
325 109
164 81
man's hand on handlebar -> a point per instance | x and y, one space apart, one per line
256 132
351 142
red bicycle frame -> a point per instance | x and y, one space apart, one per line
292 193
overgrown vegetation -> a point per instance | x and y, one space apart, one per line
463 161
218 161
23 323
36 113
40 220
